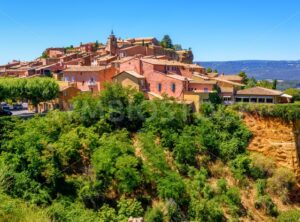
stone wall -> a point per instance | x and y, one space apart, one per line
277 139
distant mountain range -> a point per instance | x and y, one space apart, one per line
260 69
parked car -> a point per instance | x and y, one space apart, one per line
18 106
5 112
5 107
25 105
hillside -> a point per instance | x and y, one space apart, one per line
138 158
260 69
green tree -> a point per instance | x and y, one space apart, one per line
41 90
251 82
209 70
274 84
291 91
114 161
96 46
44 55
245 77
166 42
154 215
177 47
265 84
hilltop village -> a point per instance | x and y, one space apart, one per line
141 155
142 63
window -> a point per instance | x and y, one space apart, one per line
261 100
238 100
66 78
159 87
205 89
270 100
173 87
253 100
246 100
73 79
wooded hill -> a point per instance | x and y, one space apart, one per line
118 156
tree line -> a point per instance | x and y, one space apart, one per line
36 90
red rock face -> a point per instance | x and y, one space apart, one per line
275 139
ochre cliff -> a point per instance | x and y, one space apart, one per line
277 139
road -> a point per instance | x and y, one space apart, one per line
23 113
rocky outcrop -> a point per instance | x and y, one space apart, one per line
277 139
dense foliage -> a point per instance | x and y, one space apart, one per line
37 89
118 156
288 112
293 92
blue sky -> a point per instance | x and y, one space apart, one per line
216 30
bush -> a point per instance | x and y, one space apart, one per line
129 208
19 211
289 216
205 211
261 185
287 112
66 210
266 203
222 186
281 183
154 215
171 187
262 166
240 166
107 214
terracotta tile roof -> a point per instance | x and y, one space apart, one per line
162 62
259 91
193 66
85 68
105 58
226 89
141 39
155 95
212 75
125 59
133 73
228 81
199 75
231 77
130 47
202 81
178 77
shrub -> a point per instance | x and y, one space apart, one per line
171 186
19 211
107 214
287 112
205 211
261 185
222 186
262 166
240 166
129 208
266 203
281 183
289 216
154 215
66 210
